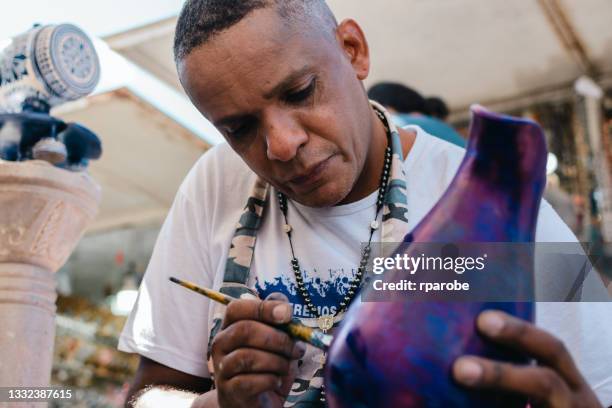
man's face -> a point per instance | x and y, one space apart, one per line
290 103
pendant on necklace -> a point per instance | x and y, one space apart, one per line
325 322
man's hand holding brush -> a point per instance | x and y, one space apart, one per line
254 363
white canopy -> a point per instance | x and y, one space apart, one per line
495 52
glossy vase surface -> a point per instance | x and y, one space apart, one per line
400 353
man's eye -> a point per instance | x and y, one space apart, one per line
239 131
303 94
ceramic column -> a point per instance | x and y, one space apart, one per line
44 211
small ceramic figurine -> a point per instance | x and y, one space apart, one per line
41 68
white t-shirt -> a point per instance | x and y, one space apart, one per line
171 325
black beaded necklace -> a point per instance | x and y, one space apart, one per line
326 322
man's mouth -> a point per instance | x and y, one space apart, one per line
308 179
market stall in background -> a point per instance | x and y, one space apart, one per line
550 60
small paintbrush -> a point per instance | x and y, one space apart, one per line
294 328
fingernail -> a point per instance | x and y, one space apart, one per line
279 383
277 296
491 323
299 349
248 296
281 313
467 371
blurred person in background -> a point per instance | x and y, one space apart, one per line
436 107
410 108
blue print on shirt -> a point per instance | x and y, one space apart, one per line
326 290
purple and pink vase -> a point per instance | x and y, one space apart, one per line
400 353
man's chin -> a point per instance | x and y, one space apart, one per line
319 198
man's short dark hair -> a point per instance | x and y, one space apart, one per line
398 97
200 20
436 107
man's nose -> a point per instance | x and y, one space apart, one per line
284 137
